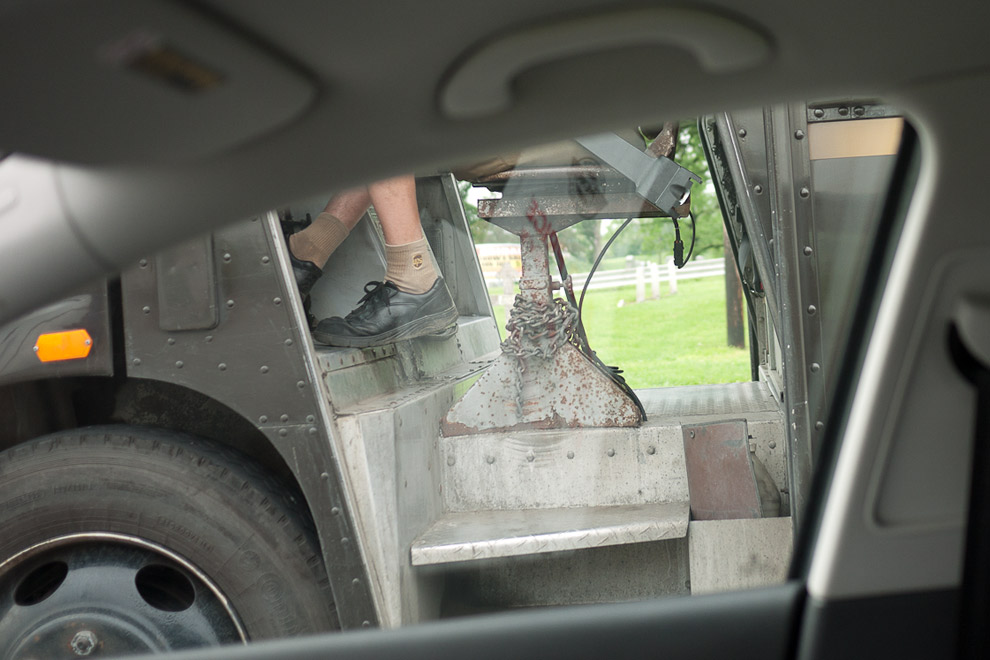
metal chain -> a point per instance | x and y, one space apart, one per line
539 329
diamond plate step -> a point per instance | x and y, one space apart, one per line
471 536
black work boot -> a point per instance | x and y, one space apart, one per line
385 315
306 272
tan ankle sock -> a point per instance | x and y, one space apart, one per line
410 266
318 241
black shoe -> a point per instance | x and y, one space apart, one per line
306 273
385 315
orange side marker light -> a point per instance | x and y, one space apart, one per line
67 345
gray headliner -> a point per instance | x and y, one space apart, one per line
377 68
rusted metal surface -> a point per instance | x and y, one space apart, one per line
566 210
665 143
541 380
566 392
720 472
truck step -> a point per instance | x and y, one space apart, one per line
471 536
356 375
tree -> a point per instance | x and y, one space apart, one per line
655 236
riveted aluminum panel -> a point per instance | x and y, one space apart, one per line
187 286
550 469
259 361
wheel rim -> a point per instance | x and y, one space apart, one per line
105 594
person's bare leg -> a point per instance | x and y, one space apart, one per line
329 229
419 303
407 255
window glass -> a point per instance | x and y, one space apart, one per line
647 432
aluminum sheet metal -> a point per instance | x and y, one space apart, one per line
720 472
470 536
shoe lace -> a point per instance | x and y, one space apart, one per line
375 293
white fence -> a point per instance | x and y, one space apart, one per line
639 276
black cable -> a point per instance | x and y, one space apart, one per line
594 267
694 233
679 259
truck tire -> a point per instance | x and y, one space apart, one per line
131 539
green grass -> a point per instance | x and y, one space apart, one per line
679 339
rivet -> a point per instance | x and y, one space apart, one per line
772 444
344 540
226 257
489 459
208 338
799 134
143 263
843 111
691 433
230 304
300 384
36 349
451 460
758 189
146 309
570 454
310 418
530 456
812 309
819 113
265 259
651 450
611 453
178 364
859 111
805 192
808 251
819 425
263 419
741 132
313 430
288 342
325 476
136 362
366 624
222 366
283 432
815 367
264 369
284 418
277 301
334 511
356 582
